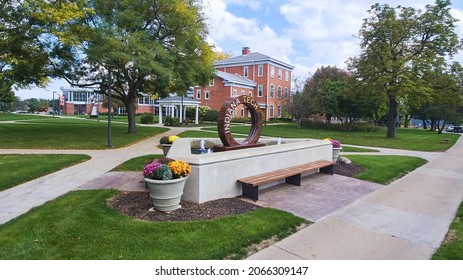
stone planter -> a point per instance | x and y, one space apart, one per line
165 148
166 194
336 152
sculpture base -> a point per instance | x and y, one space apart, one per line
222 148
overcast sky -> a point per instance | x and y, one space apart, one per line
304 33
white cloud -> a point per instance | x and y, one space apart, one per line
227 29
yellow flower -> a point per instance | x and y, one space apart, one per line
173 138
179 168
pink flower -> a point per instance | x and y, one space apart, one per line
151 168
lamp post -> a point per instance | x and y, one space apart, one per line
109 109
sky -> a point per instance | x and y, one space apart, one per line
307 34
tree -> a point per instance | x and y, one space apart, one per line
28 29
447 95
300 107
398 45
151 47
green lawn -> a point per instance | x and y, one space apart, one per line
385 169
80 225
137 163
65 133
452 247
17 169
406 139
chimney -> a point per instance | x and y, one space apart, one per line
246 51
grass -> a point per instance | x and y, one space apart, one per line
385 169
137 163
351 149
452 247
17 169
406 139
80 225
65 133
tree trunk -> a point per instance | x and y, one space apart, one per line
391 123
425 124
130 107
407 120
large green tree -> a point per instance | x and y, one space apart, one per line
28 32
149 46
398 45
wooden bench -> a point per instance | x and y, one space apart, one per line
292 175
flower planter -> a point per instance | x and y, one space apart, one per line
166 194
336 152
165 148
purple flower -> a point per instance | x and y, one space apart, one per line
335 143
151 168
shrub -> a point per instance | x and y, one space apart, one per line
211 116
356 126
171 121
147 118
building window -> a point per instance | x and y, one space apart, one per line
245 71
272 91
279 92
286 75
260 70
198 94
211 83
145 100
260 90
235 93
280 73
286 93
271 111
206 94
250 93
242 112
272 71
242 92
79 96
279 111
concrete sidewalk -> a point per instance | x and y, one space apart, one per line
407 219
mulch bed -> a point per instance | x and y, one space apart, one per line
138 204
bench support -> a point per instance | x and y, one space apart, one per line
250 191
327 170
294 180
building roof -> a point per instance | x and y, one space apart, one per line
177 100
253 58
235 79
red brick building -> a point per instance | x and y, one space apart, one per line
265 79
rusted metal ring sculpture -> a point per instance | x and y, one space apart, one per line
226 114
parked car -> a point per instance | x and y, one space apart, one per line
458 129
450 128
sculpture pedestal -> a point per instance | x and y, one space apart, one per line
221 148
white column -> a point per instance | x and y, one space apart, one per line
160 113
196 114
184 112
172 112
180 112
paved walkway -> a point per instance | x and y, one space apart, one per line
407 219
